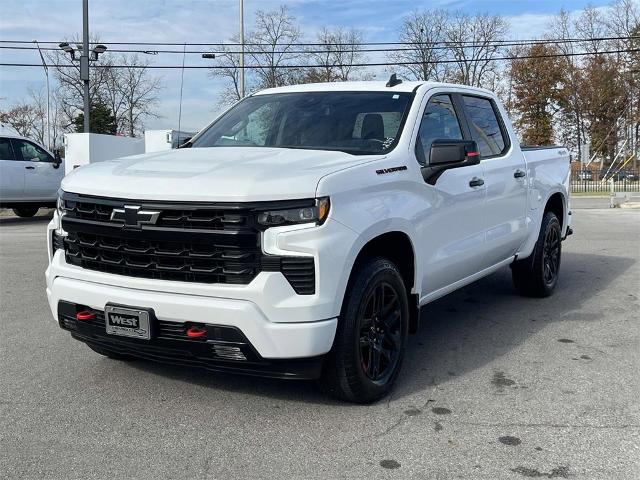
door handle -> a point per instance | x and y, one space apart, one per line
519 174
476 182
30 167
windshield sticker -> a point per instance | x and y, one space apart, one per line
387 142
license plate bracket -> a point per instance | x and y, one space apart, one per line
127 321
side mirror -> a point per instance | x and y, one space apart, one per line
57 160
447 154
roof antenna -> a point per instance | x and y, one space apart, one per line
393 81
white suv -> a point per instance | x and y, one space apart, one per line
30 175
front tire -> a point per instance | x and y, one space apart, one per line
537 275
370 339
26 212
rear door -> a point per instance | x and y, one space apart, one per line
11 173
42 176
505 177
452 233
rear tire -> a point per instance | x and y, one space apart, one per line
371 335
109 353
537 275
26 212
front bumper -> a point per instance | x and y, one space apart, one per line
270 340
224 349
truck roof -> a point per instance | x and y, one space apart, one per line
363 86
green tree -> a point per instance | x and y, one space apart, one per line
605 102
101 120
537 92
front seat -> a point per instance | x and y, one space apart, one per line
372 127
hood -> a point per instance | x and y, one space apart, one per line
220 174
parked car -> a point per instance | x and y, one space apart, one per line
585 175
619 175
30 175
301 232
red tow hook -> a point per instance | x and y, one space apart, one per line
196 332
85 315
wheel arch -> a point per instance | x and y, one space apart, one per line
397 247
556 204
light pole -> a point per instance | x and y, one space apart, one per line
241 49
46 72
85 58
84 61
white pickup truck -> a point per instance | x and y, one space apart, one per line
298 235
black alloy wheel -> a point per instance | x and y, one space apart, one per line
380 333
537 275
371 335
551 255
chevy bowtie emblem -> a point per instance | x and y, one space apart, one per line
133 217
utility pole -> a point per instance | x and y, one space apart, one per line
46 72
241 49
84 61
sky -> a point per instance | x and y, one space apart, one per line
216 21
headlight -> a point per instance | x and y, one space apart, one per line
61 211
60 206
317 213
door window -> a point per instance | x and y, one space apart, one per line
6 152
29 151
439 122
485 126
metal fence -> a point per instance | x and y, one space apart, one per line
589 181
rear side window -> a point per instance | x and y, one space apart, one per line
485 126
6 152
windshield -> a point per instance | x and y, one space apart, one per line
359 123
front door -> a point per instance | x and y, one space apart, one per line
42 176
452 232
11 173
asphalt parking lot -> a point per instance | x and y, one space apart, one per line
494 386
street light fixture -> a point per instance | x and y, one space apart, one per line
209 55
68 49
97 50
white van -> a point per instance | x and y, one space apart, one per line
30 175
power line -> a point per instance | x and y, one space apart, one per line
422 46
376 64
300 44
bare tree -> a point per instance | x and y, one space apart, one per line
139 93
230 72
421 34
122 83
272 41
473 42
21 117
336 53
590 26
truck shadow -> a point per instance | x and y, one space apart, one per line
459 333
44 217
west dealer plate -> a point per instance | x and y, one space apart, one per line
127 322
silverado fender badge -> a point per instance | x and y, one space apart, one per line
383 171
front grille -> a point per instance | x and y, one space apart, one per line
202 243
181 261
195 218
